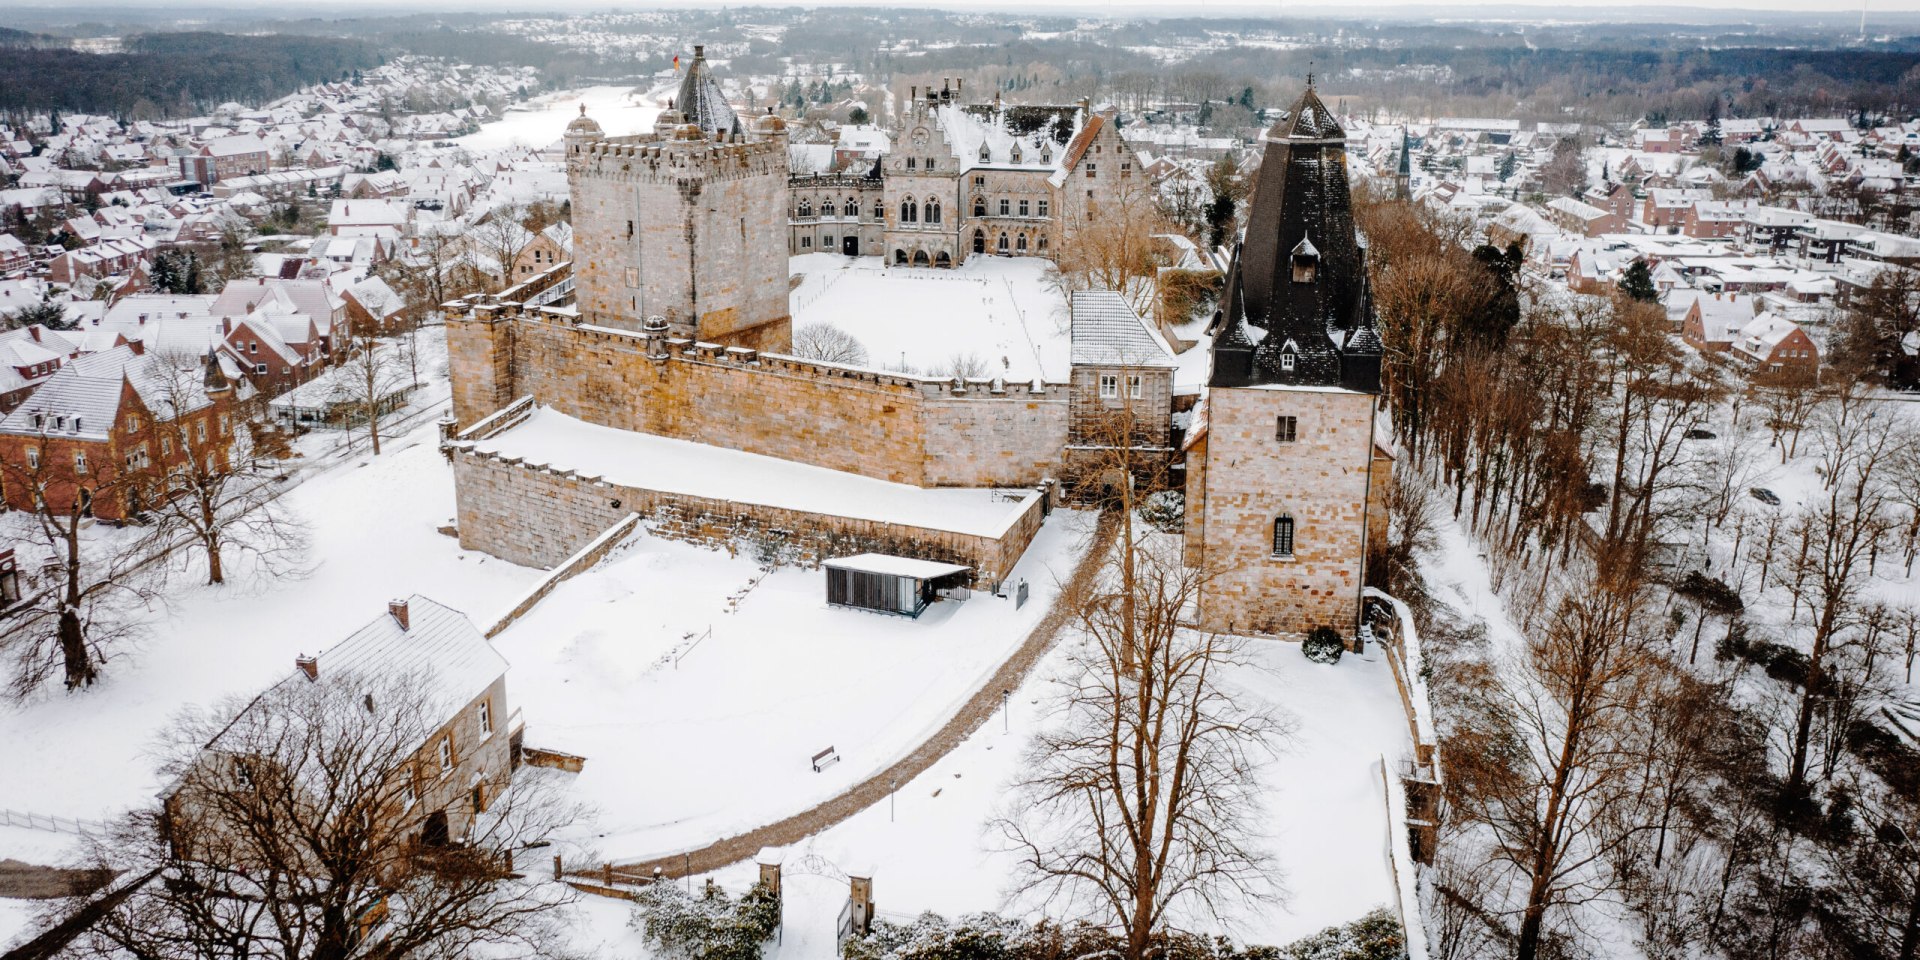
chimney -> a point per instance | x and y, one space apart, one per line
399 610
139 347
958 83
34 332
699 51
946 87
308 665
915 95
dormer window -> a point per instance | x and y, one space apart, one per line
1286 361
1306 261
1016 153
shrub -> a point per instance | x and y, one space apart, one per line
1165 511
1323 645
709 925
1376 936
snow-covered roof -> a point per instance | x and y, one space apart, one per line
1105 330
893 566
82 399
626 458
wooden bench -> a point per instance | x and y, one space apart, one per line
824 759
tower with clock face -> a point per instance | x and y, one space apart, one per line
923 188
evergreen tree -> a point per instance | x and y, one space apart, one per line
1508 164
1637 284
1711 137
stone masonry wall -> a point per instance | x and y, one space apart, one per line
693 231
1248 478
874 424
538 517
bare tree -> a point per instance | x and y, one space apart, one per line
374 380
298 827
1544 758
1832 543
221 497
1139 804
1108 243
83 603
500 238
828 344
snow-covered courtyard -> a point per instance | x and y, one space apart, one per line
698 716
540 122
1008 312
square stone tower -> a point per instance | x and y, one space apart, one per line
687 223
1284 474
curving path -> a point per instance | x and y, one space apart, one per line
971 716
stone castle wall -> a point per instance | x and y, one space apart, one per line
1244 478
536 516
693 231
880 425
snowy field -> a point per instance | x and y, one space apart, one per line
540 122
930 849
373 528
1007 311
690 737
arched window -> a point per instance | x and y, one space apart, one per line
1283 536
900 256
933 211
979 206
920 258
979 242
852 209
1002 245
1020 244
1043 242
909 211
806 208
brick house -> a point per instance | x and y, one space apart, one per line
28 356
1584 219
1711 323
224 157
267 360
460 765
100 434
1774 343
372 306
313 299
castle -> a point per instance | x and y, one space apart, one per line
967 180
648 376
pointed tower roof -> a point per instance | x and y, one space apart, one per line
701 101
1297 287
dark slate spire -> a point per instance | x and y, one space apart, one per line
1403 178
1297 287
701 101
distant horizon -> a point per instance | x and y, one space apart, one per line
1722 11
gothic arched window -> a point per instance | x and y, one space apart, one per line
852 208
933 211
1283 536
909 212
979 206
1021 243
1002 245
806 208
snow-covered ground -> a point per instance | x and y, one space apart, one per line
373 527
1008 311
551 438
691 737
540 122
931 849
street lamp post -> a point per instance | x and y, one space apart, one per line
893 788
1006 726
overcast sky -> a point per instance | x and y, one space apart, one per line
1717 10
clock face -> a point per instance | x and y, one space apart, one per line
920 136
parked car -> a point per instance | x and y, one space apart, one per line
1765 496
1698 434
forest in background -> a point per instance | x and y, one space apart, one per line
170 74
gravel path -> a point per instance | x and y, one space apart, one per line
971 716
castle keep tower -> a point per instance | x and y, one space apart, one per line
1284 475
687 223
